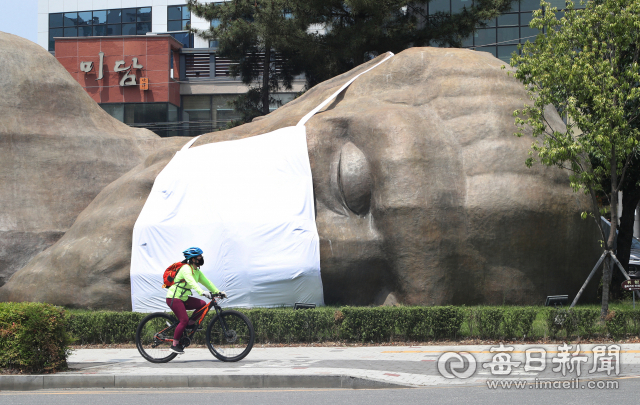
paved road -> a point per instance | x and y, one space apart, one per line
441 395
541 367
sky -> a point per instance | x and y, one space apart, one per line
20 18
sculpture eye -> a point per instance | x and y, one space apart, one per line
354 179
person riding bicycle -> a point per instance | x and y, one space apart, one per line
179 297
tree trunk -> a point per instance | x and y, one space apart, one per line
608 267
266 68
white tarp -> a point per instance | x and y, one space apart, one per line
249 205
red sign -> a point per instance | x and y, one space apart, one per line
631 285
144 83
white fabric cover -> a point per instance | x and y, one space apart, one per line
249 205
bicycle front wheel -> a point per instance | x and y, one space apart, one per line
155 336
230 336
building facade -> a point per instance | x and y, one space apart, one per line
177 85
189 90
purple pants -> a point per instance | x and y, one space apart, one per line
180 308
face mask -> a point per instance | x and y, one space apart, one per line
200 262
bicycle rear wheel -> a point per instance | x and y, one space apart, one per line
155 336
233 341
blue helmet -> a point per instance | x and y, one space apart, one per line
192 252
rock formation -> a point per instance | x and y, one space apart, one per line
58 150
422 196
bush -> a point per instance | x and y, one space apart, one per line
33 337
381 324
517 322
293 326
616 323
104 327
587 321
488 320
375 324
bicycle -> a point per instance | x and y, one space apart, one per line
229 337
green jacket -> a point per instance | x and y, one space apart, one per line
188 278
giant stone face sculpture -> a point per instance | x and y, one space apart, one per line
422 196
58 150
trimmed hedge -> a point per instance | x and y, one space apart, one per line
383 324
34 337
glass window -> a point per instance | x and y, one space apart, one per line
490 49
490 23
99 30
100 17
458 5
525 19
54 33
185 38
143 28
84 18
468 41
529 5
174 12
504 52
173 113
515 6
528 34
144 14
128 29
129 15
186 14
70 19
559 4
115 110
485 36
85 31
145 113
508 35
174 25
114 16
114 29
215 23
507 19
55 20
71 32
436 6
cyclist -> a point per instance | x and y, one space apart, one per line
179 297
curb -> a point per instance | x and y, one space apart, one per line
39 382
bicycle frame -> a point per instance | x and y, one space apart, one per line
197 316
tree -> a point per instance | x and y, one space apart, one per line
263 39
274 40
354 31
586 66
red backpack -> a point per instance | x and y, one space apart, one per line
170 274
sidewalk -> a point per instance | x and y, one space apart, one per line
333 367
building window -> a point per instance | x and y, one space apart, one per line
179 19
128 21
160 118
502 35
